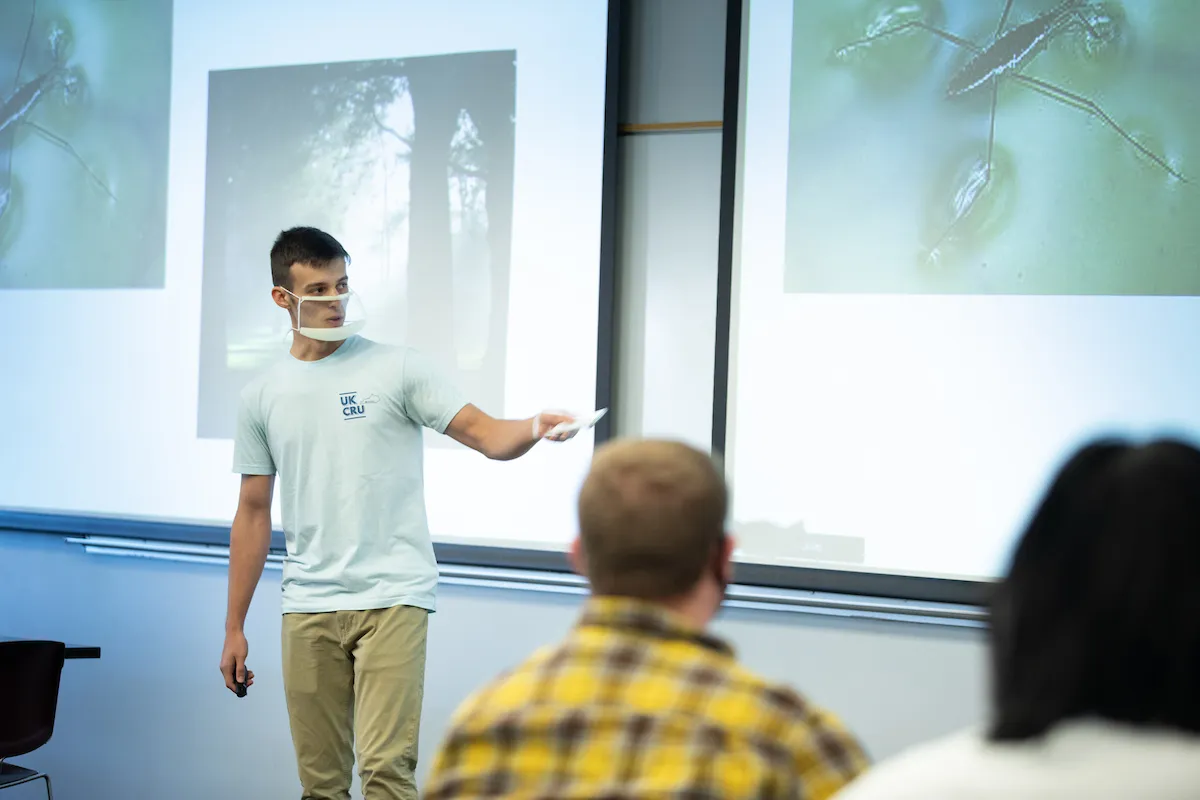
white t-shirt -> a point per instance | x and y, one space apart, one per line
344 434
1084 760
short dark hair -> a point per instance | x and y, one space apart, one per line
651 518
1099 615
302 245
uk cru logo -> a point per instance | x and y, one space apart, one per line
355 407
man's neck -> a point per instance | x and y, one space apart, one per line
306 349
695 607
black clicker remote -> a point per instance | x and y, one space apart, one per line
239 688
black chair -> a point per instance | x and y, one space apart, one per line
29 677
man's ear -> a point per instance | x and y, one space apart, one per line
281 298
577 557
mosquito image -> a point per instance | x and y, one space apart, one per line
1004 58
20 100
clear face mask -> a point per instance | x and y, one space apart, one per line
328 318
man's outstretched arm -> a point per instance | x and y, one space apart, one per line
502 439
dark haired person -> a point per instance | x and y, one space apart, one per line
340 420
640 701
1095 646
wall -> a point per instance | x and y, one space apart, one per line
151 719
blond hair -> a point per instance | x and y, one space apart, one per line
651 518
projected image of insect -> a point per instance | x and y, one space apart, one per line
1004 58
26 90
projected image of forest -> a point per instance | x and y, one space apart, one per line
409 162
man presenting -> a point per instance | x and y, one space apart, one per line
340 421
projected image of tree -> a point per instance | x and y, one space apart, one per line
1029 147
409 162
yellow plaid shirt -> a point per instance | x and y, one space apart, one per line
635 704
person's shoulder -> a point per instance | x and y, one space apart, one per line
266 379
951 766
251 395
778 698
508 692
808 730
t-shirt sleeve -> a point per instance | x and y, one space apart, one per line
427 396
251 452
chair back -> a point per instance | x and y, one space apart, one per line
30 672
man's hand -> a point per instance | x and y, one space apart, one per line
233 661
545 422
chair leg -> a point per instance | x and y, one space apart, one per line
49 791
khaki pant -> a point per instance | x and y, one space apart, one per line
355 675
